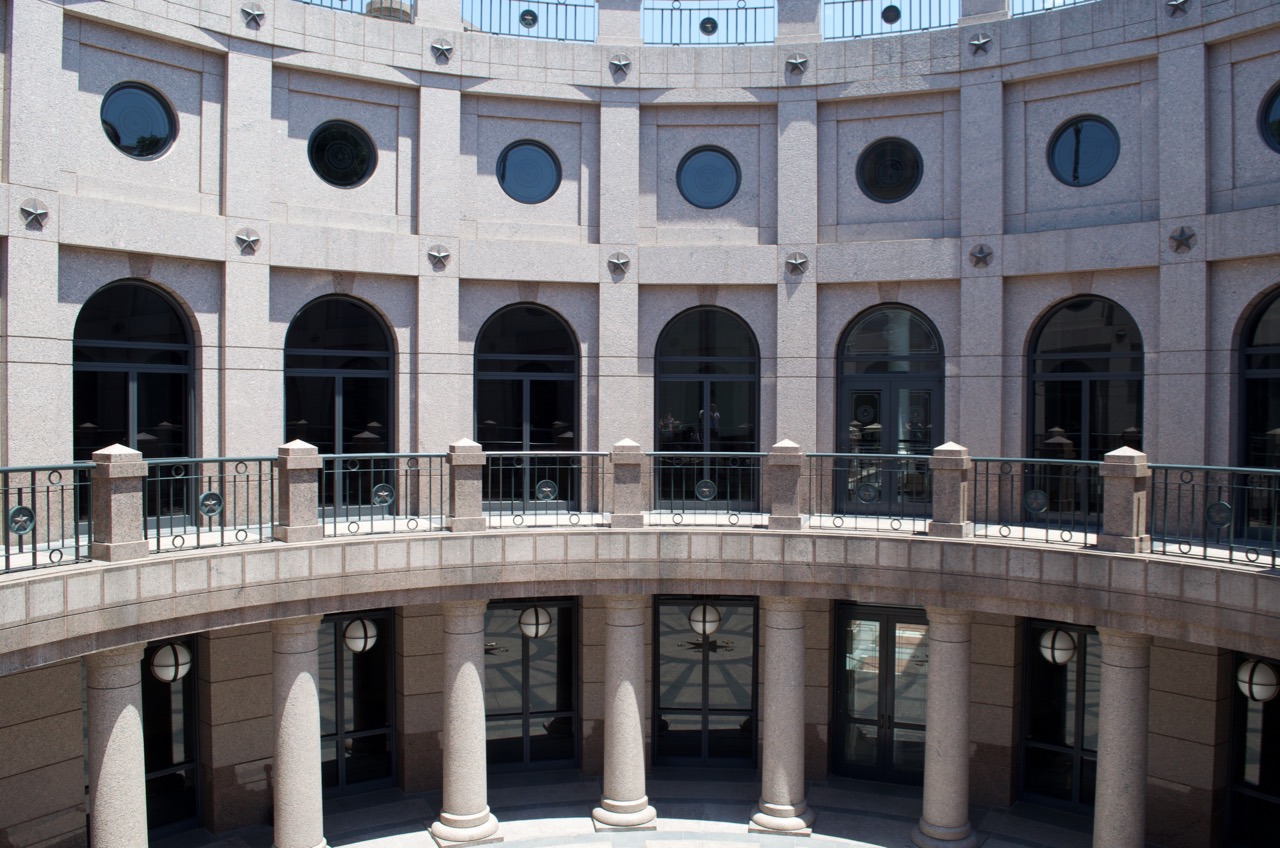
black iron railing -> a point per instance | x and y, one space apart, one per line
544 489
1053 501
862 18
703 22
707 488
392 10
194 503
875 492
364 493
1215 513
1030 7
561 20
48 515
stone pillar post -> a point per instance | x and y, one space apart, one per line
945 822
1126 480
952 484
630 500
464 811
619 22
799 22
783 485
1120 808
117 775
299 815
981 11
297 515
116 488
782 806
624 803
466 495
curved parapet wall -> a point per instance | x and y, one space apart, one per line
50 616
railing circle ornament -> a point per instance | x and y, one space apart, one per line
412 464
22 520
678 518
517 520
353 527
1251 554
242 535
868 493
1218 514
575 519
178 471
838 521
55 555
1186 476
1006 531
178 541
895 524
1006 468
705 490
734 518
1184 547
708 26
546 490
383 494
351 465
55 477
210 504
242 467
412 524
1066 535
1036 501
528 19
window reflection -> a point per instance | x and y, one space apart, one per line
357 713
1060 716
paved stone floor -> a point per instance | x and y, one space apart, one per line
694 811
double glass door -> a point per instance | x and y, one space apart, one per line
521 413
704 417
880 692
888 416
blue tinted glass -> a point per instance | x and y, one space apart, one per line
1269 119
342 154
889 170
137 120
528 172
1084 151
708 177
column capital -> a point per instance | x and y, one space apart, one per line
462 617
1124 649
783 604
295 635
948 615
115 668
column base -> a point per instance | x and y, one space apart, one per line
624 816
477 829
323 843
951 530
776 818
925 835
468 525
1124 544
786 522
626 520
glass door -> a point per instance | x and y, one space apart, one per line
881 686
888 417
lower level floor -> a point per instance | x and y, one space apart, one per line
286 723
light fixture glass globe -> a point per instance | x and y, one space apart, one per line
1258 680
704 619
171 663
1057 646
535 622
360 635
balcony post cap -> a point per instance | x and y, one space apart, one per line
1124 462
950 449
950 457
786 446
627 446
297 448
465 446
116 453
1126 456
116 461
466 452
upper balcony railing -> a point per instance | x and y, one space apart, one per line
1030 7
863 18
392 10
1120 505
559 20
708 22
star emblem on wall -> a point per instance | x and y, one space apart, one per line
439 255
797 63
981 43
1182 239
34 212
1176 7
618 263
620 64
254 14
980 256
442 49
248 240
797 263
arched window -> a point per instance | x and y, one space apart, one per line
132 373
337 378
1086 381
890 383
1260 392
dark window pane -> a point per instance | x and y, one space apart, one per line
730 737
128 314
729 422
889 170
551 415
528 172
1266 332
335 323
525 332
708 177
505 740
1049 773
138 120
162 416
1115 416
342 154
500 414
679 736
891 333
1269 119
1084 150
503 680
308 411
706 333
1088 325
368 758
679 426
679 659
731 660
551 738
1262 422
101 411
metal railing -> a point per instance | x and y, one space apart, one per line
1030 7
870 492
708 22
1055 501
1207 512
195 503
391 10
863 18
48 515
561 20
366 493
706 488
546 489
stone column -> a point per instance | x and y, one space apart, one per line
952 481
783 485
1126 480
297 519
117 774
782 806
630 501
466 494
464 812
946 753
1120 811
299 815
624 803
116 482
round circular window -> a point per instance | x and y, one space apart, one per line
708 177
1084 150
342 154
528 172
138 120
1269 119
889 170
